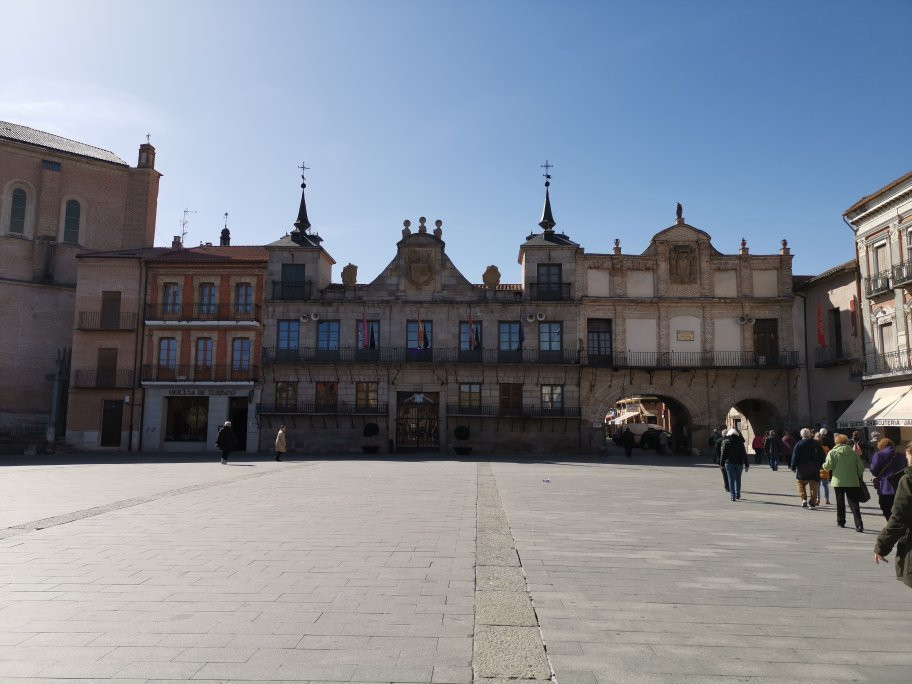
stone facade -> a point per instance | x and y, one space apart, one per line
58 199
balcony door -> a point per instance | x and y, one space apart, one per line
417 423
111 422
766 341
107 368
110 310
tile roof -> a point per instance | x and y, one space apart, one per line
867 198
212 254
11 131
801 281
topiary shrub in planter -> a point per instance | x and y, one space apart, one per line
462 434
371 442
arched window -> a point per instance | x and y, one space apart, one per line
71 222
17 212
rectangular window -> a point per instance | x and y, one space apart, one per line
510 399
167 352
366 396
186 419
287 340
206 300
294 284
598 331
17 211
469 395
509 335
71 222
372 339
171 299
107 368
766 341
469 336
286 395
419 334
549 281
240 354
881 260
327 397
203 352
243 299
835 338
552 398
328 335
110 309
50 165
549 336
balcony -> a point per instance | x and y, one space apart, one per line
831 355
306 409
435 355
689 360
550 292
877 284
902 274
292 291
889 363
203 312
533 411
89 378
102 320
156 373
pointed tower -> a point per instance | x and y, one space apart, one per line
547 220
302 223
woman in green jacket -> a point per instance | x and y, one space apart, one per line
847 470
898 530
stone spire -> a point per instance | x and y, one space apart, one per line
302 224
547 220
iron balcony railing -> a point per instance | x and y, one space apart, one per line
292 291
103 379
877 283
687 360
435 355
297 408
202 312
192 373
902 274
100 320
533 411
831 355
550 292
888 363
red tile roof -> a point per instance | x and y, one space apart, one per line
214 253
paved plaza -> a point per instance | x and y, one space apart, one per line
426 570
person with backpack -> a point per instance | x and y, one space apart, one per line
757 446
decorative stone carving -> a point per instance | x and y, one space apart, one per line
682 264
419 266
491 277
438 228
405 228
350 275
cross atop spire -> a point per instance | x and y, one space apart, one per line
302 223
547 220
303 168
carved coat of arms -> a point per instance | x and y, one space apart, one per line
419 266
682 264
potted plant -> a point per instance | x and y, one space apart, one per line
462 434
371 441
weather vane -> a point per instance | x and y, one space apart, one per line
303 168
547 174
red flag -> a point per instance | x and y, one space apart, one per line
420 333
821 340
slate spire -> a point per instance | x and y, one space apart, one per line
302 224
547 220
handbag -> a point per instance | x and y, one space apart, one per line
824 474
863 494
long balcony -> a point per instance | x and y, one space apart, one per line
156 373
902 274
102 320
889 363
292 291
435 355
88 378
496 411
550 292
307 409
877 284
831 355
203 312
689 360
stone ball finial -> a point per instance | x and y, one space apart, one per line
438 231
421 227
438 223
407 223
743 242
405 228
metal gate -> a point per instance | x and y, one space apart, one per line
417 421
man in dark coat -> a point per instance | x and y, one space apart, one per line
807 459
226 442
896 532
627 439
734 458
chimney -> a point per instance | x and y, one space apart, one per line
225 240
146 157
176 242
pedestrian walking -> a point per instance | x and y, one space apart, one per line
807 457
826 438
899 527
734 458
824 475
226 441
772 446
788 443
280 447
627 439
757 446
886 461
860 446
847 470
714 438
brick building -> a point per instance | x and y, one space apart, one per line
58 198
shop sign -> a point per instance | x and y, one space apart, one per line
201 392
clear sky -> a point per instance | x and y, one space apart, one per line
766 120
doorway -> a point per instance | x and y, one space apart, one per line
237 414
111 422
417 421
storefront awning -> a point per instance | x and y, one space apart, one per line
624 417
879 407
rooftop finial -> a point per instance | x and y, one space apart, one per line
225 238
302 224
679 213
547 220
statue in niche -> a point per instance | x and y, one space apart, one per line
682 264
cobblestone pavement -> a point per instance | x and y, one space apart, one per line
595 570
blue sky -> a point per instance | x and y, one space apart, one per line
766 120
